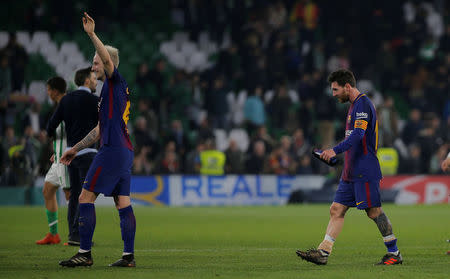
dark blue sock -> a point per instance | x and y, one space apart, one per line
391 245
86 224
128 227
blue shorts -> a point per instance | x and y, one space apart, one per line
110 172
361 194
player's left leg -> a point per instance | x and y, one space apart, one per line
87 222
128 229
51 205
393 255
368 198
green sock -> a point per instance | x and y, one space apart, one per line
52 218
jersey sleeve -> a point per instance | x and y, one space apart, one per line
362 118
362 115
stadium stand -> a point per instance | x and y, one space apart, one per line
187 67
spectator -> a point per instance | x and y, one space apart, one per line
325 110
217 104
255 162
169 163
300 145
204 131
276 62
192 163
305 167
262 135
142 165
277 15
387 123
18 58
142 76
280 107
5 88
179 137
212 160
143 139
412 127
254 111
279 162
235 159
413 163
146 111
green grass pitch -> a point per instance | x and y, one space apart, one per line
231 242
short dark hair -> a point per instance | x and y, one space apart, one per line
58 84
342 76
81 75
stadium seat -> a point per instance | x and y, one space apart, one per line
40 38
177 59
236 105
167 48
69 49
221 139
203 38
4 38
198 61
241 137
179 38
188 48
38 90
23 38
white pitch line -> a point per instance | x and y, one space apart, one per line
211 249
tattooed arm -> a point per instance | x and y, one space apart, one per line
91 138
88 140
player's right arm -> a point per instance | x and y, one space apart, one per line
89 27
359 129
91 138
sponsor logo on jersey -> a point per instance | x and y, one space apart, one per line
362 115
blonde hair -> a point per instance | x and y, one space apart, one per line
114 54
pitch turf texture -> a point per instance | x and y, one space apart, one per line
231 242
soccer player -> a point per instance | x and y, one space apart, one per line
360 181
110 171
78 110
58 174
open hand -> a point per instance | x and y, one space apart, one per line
68 156
88 23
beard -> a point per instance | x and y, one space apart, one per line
343 99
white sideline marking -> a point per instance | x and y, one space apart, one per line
212 249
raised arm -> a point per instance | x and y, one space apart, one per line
89 27
88 140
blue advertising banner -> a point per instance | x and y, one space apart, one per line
150 190
196 190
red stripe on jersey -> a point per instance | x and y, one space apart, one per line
94 179
364 143
369 201
110 85
346 173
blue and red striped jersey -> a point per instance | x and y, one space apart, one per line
361 142
114 111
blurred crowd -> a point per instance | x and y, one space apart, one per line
268 85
